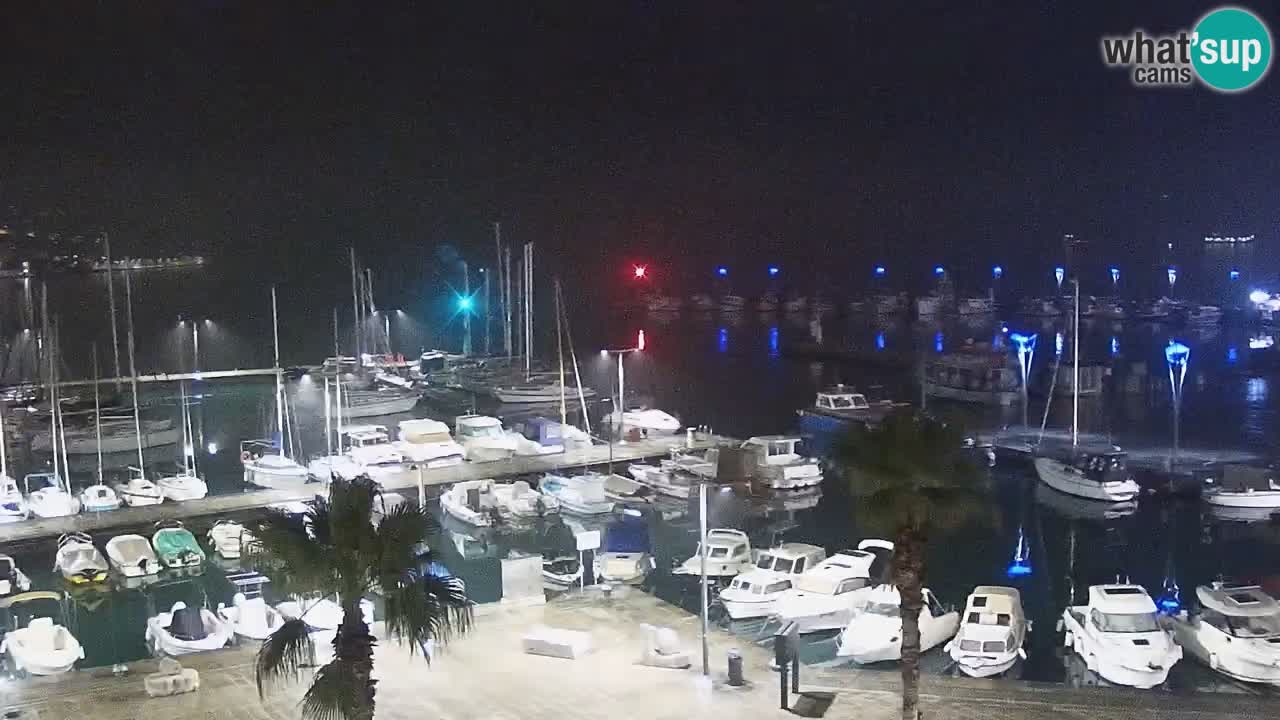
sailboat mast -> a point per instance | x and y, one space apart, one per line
506 303
4 457
53 389
528 309
355 306
133 370
111 303
564 420
186 440
275 344
97 411
577 375
337 381
328 429
1075 374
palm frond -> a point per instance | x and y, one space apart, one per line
285 549
283 654
341 690
399 537
425 608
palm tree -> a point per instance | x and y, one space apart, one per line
337 549
909 476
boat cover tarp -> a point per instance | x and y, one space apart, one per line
176 543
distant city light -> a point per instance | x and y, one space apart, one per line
1234 274
773 270
604 353
1232 355
938 270
1173 275
880 340
997 272
1176 353
1257 297
880 271
465 304
640 271
212 448
722 271
1115 275
937 342
640 340
1059 273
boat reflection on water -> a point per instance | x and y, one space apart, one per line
1242 514
1075 508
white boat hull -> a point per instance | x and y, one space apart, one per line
42 662
1067 479
1246 660
388 406
1137 670
746 609
485 453
981 665
162 642
1247 499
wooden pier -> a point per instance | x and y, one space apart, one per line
406 482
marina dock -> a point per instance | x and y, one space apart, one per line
405 482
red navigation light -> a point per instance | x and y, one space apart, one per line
640 340
641 271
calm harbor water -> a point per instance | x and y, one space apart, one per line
734 375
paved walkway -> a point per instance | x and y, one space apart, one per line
485 676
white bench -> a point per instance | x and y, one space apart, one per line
556 642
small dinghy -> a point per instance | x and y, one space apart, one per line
48 497
228 539
249 615
79 560
99 498
471 501
43 647
994 629
185 630
176 546
519 500
13 506
12 579
183 487
132 556
139 491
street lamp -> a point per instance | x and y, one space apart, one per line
1026 347
1115 279
621 406
1176 356
1172 273
1058 274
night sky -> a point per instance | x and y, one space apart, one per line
820 134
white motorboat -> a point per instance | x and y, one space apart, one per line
826 596
843 403
428 442
251 617
875 633
369 447
323 469
702 301
184 486
132 556
43 647
663 479
118 435
268 466
561 572
322 616
519 500
379 402
48 496
753 593
778 463
99 498
471 501
624 556
176 546
728 553
1100 476
78 559
1236 631
483 438
650 421
578 494
12 579
139 490
228 539
13 505
1118 637
185 630
1243 486
993 632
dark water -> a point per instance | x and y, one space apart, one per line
734 375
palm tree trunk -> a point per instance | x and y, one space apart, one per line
353 644
908 576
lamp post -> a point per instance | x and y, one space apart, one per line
622 380
1177 356
1059 273
1026 347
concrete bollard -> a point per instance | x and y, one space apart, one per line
735 668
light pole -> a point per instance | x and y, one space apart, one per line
1026 346
1059 273
1172 274
702 568
1177 356
1115 281
622 382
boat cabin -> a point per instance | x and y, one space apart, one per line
477 426
1246 478
1102 467
727 545
774 449
837 400
790 558
993 621
1242 611
358 436
841 573
424 431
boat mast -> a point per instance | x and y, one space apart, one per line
337 381
328 430
97 411
355 306
133 370
111 302
186 456
466 313
528 309
506 294
4 457
564 420
577 376
502 298
53 384
275 344
1075 374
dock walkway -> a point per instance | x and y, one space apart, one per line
407 480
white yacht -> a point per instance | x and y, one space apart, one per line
1236 631
1100 476
139 490
732 303
537 392
1243 486
778 463
875 633
268 466
1118 637
78 559
369 447
48 496
13 504
826 596
471 501
483 438
728 553
428 442
578 494
929 306
993 632
650 421
132 556
664 479
519 500
753 593
977 305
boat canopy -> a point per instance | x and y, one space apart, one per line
1244 478
1237 600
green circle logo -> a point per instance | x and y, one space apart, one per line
1231 49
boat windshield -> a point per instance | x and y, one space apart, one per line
484 431
775 563
1127 622
1260 626
884 608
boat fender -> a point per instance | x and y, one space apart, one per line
245 456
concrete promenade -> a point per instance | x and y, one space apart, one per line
405 482
485 676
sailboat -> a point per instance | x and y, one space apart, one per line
186 485
265 462
49 493
13 506
138 490
98 497
1099 475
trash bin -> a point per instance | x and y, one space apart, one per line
735 668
